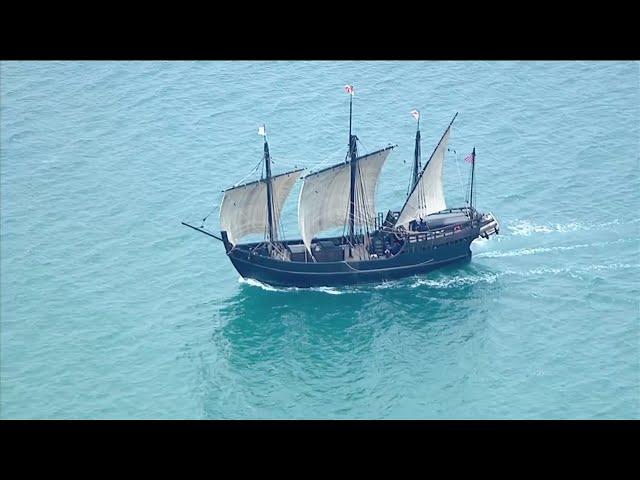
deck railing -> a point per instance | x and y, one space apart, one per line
413 236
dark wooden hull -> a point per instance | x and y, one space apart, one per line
415 257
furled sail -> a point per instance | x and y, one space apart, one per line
324 197
244 208
427 196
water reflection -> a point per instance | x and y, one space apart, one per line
303 344
412 301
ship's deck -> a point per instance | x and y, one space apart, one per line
381 244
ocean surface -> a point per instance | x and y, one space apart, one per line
110 308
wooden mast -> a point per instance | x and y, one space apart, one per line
473 167
272 236
416 157
353 154
427 164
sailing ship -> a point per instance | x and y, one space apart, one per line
373 247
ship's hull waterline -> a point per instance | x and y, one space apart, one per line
278 275
414 257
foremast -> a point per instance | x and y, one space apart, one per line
255 207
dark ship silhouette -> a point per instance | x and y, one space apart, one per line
423 235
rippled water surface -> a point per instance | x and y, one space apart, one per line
112 309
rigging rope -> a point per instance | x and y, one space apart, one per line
249 174
208 215
366 150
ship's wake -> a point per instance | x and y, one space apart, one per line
525 228
465 280
560 248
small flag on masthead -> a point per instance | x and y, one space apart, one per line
471 158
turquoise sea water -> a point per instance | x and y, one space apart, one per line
112 309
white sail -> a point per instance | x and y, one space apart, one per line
428 195
244 208
325 195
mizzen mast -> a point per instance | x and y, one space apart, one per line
427 195
472 158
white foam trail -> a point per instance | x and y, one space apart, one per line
270 288
525 251
259 284
611 266
533 251
526 228
457 281
383 286
329 290
489 278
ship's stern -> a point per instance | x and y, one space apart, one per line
488 225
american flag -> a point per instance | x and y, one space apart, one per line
471 158
349 89
416 114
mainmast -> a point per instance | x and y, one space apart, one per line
271 233
416 153
353 154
